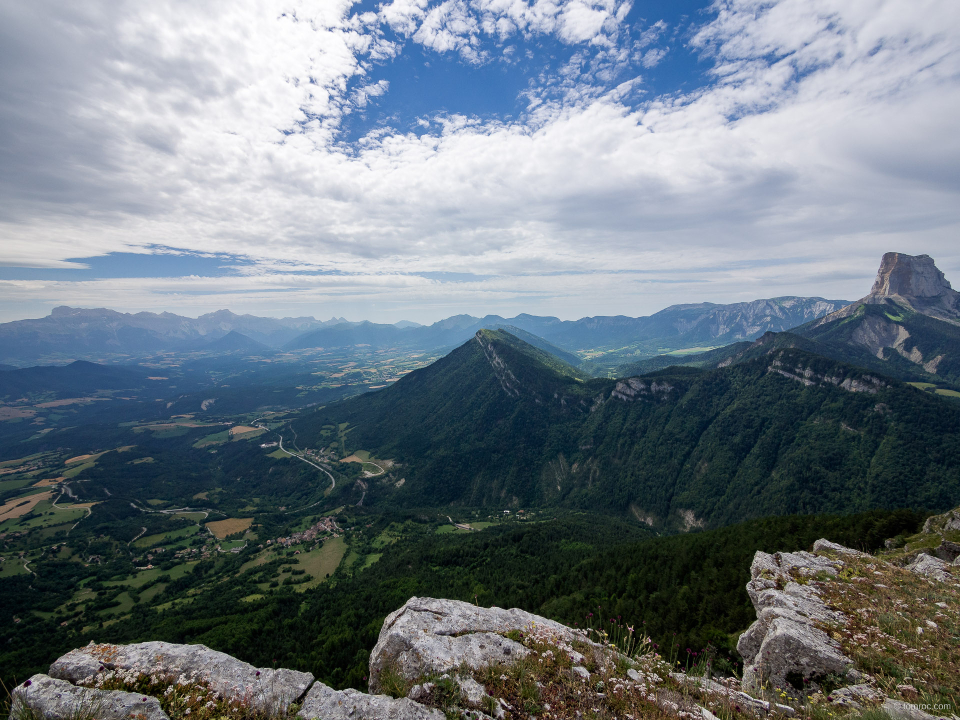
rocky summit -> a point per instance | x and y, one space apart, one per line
911 281
909 276
838 632
907 327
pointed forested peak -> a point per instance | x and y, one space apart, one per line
909 276
489 338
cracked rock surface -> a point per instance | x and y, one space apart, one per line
54 699
932 567
266 689
785 642
430 636
325 703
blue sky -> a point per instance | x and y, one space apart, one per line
422 158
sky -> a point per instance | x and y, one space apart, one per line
416 159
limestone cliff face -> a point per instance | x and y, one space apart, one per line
911 312
912 281
912 276
915 281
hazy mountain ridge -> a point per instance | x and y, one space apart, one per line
92 333
77 332
678 326
76 378
907 327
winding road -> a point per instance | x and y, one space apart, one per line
333 481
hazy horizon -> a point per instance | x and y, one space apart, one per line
326 318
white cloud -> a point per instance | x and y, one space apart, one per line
362 95
827 139
580 21
450 26
652 57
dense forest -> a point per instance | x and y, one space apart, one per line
686 591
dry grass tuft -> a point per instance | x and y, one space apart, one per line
904 630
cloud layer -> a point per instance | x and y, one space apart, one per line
824 137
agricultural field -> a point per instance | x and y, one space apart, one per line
370 465
223 528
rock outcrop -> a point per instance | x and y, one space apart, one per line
51 698
912 281
428 636
784 647
453 659
264 690
328 704
801 643
915 280
932 567
948 521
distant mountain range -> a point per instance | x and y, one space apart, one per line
72 333
94 333
678 326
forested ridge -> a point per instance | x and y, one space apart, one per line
679 446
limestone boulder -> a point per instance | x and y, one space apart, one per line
792 649
947 551
265 689
325 703
899 710
798 603
785 645
948 521
931 567
429 636
855 696
54 699
824 545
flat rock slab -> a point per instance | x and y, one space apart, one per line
264 689
54 699
325 703
855 696
428 636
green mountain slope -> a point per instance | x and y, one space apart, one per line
894 339
787 431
